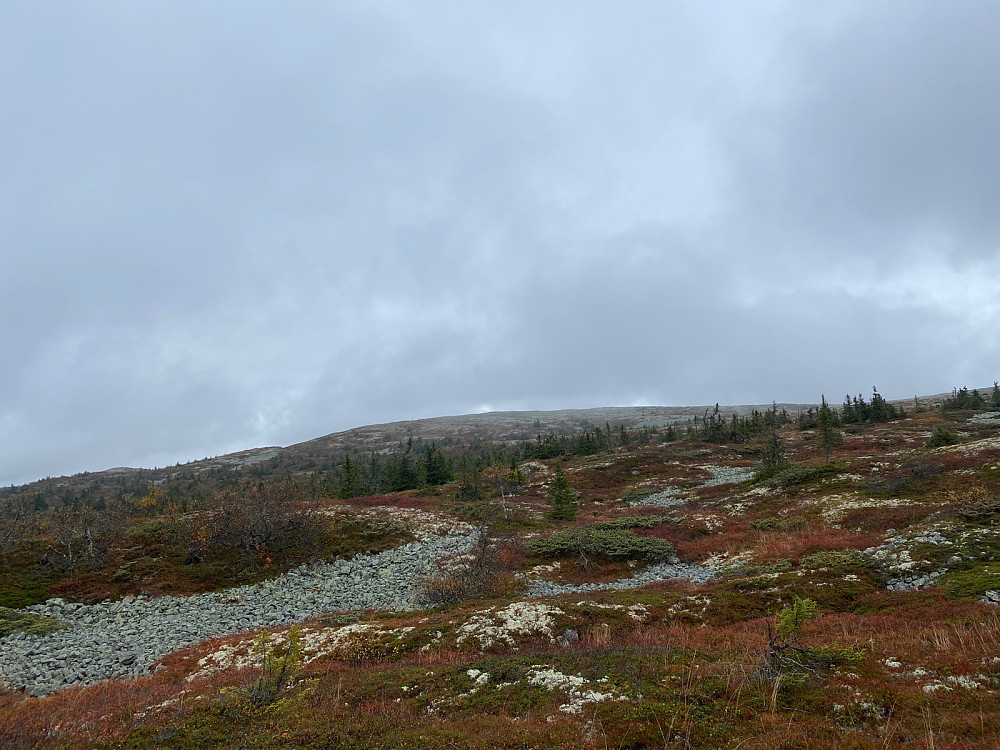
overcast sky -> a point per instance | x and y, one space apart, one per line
232 224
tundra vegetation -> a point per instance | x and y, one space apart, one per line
854 552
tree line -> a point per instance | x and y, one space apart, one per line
966 399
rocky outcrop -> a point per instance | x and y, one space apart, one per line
126 638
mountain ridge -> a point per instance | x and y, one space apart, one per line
383 435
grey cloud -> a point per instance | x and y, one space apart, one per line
230 224
886 137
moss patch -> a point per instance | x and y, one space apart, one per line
973 581
17 621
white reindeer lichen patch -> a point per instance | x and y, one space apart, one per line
492 626
479 679
695 605
712 521
575 686
314 642
834 507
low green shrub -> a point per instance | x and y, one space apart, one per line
941 437
790 663
631 522
839 561
153 530
776 523
592 541
800 474
280 665
30 587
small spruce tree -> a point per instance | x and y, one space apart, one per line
828 434
772 458
436 468
470 485
563 499
350 482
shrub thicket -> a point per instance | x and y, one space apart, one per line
800 474
594 541
483 574
963 399
632 522
280 665
942 436
857 410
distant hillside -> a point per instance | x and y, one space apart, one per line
462 431
451 433
665 576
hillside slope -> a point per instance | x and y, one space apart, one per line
322 453
727 588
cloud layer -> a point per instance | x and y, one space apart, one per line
233 224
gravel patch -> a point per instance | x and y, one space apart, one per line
660 572
727 475
126 638
985 417
665 498
719 475
906 574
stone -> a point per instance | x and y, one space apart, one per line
118 639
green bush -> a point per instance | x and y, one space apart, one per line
631 522
153 530
775 523
564 499
787 661
279 668
798 474
942 436
611 543
16 621
30 587
840 561
792 619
